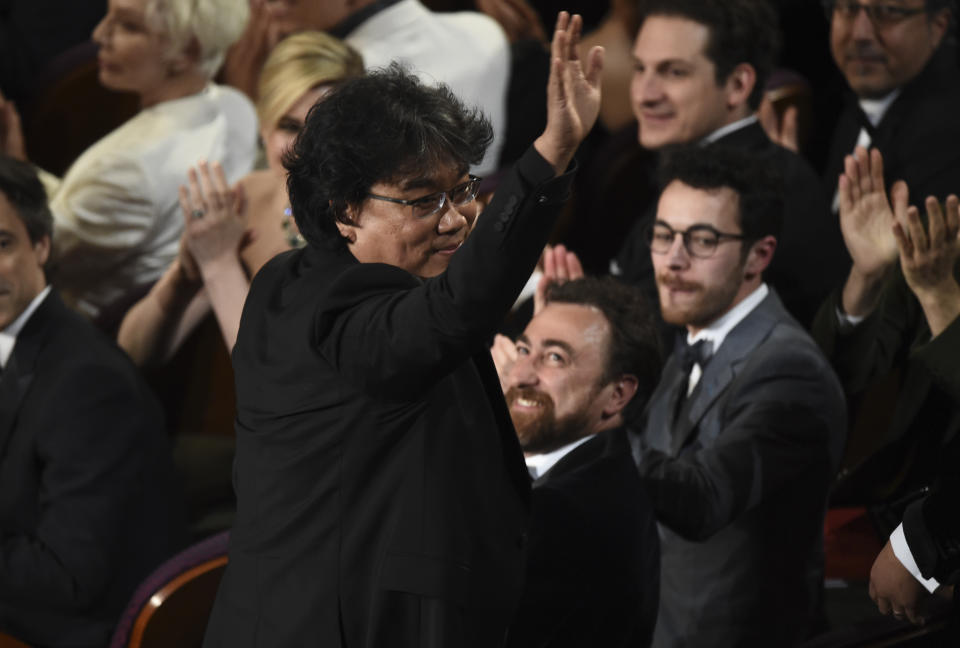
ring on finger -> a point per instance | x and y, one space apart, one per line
197 213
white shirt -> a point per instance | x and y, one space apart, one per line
727 129
898 542
467 50
718 330
8 336
540 463
117 220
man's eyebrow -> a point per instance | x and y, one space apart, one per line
523 338
559 343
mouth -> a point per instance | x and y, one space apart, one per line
654 118
449 249
676 286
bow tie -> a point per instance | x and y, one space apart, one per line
690 354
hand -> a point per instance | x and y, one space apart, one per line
929 259
519 20
245 58
215 217
504 352
865 213
573 97
11 131
559 266
782 131
895 590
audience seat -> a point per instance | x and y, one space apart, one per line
171 607
6 641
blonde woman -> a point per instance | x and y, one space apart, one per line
117 223
222 247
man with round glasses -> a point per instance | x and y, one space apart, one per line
382 497
743 434
902 69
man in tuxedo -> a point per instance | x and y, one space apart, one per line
743 434
899 312
85 470
701 66
902 70
382 498
593 563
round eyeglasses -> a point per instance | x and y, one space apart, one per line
700 241
430 204
880 14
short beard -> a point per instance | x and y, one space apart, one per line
542 432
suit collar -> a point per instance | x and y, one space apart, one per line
750 137
729 129
8 337
597 446
726 363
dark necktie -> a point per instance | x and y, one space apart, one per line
688 355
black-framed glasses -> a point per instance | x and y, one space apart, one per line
700 241
430 204
880 14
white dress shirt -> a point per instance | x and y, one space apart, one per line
8 336
539 464
717 332
727 129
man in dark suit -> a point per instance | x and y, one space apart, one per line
593 564
743 434
381 495
902 71
85 471
899 311
701 66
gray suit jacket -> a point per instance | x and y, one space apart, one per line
739 486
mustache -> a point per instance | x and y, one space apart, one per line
865 50
526 393
675 283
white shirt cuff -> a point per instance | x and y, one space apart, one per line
849 320
898 541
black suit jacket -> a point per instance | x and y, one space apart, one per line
810 260
593 568
917 135
739 483
382 496
85 482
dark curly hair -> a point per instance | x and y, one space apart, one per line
741 31
758 184
384 127
634 343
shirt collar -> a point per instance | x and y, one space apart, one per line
718 330
875 109
8 336
729 128
539 464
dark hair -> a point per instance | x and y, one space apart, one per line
756 180
383 127
741 31
23 189
634 342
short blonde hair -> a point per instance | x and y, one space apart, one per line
215 24
298 64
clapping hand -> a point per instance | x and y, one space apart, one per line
866 216
559 266
573 95
215 217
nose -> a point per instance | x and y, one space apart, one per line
677 255
862 27
646 89
523 373
99 34
453 217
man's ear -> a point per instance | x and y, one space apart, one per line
939 23
623 390
740 84
347 224
759 257
41 250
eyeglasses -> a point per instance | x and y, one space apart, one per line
700 241
429 205
881 15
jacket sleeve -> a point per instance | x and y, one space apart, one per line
390 333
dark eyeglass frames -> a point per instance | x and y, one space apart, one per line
428 205
700 241
880 14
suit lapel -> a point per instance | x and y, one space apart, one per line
724 366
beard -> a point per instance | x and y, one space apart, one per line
540 431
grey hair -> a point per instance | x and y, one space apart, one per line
215 24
